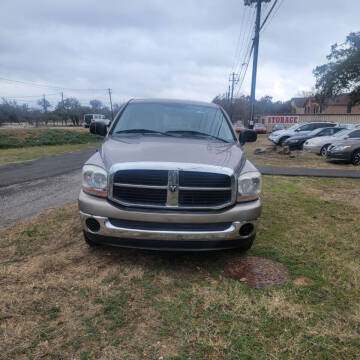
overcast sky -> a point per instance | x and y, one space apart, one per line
163 48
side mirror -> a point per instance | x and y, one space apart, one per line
98 128
247 136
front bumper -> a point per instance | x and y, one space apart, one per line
312 148
338 155
106 214
274 140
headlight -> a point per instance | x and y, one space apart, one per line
341 147
94 180
249 186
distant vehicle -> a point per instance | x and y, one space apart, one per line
279 137
278 127
239 126
297 141
350 126
260 128
346 150
319 145
90 118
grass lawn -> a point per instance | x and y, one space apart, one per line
18 145
35 152
301 159
60 299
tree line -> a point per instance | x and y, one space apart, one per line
240 108
339 76
67 112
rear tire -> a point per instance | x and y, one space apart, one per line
323 150
355 159
282 140
90 242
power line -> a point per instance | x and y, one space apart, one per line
47 86
29 96
275 11
241 37
268 14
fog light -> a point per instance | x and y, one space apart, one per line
92 224
246 229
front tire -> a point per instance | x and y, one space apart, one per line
323 150
247 244
90 242
355 159
282 140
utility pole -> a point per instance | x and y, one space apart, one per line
63 108
234 79
256 53
111 107
44 104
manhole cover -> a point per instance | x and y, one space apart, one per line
257 272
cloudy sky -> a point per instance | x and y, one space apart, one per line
162 48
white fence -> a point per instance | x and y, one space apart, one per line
341 118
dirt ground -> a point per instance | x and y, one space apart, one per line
60 299
296 159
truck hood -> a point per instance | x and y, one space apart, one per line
153 148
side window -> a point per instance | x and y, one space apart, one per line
326 132
305 127
355 134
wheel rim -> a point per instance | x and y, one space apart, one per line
324 151
357 158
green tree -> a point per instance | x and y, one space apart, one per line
44 104
96 105
342 72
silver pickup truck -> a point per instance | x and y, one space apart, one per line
170 175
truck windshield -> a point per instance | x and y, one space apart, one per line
176 119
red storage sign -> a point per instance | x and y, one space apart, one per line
281 119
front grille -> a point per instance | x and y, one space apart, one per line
203 179
204 197
171 188
157 226
142 177
140 195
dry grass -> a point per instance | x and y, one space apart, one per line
23 133
35 152
300 159
60 299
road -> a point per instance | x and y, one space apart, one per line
28 188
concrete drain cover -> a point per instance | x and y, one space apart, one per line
256 272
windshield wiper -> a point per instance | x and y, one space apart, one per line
196 133
141 131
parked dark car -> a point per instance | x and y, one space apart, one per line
297 141
346 149
279 137
260 128
278 127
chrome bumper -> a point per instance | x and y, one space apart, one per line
108 229
102 210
